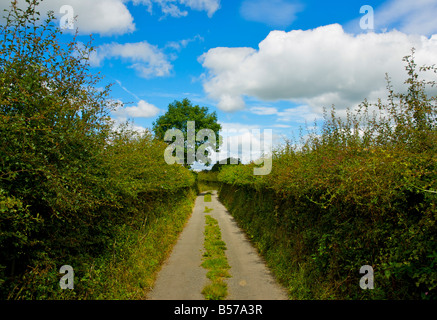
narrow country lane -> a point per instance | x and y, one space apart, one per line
183 278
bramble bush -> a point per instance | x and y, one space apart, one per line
361 190
69 182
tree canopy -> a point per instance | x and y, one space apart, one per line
178 115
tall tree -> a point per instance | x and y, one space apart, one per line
178 116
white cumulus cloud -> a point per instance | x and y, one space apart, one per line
418 16
142 110
112 17
244 141
210 6
146 59
105 17
298 114
317 67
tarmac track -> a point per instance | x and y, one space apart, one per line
182 277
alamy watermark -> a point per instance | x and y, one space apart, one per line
67 20
258 144
367 281
367 21
67 281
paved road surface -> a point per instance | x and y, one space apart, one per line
183 278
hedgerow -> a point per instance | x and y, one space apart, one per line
361 190
70 181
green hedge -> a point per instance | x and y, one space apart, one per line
70 180
360 191
124 266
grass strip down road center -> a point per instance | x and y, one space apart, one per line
214 259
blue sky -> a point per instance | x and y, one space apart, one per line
257 63
195 34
